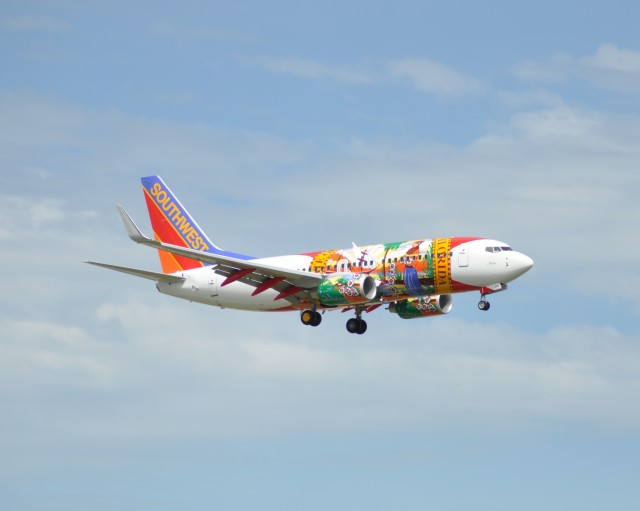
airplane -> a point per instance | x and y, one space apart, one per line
415 278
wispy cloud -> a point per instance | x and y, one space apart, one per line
434 77
257 371
610 57
609 67
26 217
422 74
529 99
314 70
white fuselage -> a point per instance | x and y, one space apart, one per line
474 265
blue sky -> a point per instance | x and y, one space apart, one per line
287 128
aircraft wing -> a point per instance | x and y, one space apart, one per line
250 271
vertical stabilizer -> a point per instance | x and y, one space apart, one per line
173 224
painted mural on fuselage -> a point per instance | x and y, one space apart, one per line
402 269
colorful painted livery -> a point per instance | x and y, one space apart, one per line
414 278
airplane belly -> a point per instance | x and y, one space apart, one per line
200 290
208 291
239 296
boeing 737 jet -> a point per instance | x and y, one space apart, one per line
415 278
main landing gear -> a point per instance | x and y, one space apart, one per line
310 317
357 325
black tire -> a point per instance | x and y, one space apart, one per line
362 327
353 326
483 305
317 319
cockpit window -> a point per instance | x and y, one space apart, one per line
498 249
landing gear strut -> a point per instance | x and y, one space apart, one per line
310 317
357 325
483 305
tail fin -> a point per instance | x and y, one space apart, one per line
172 224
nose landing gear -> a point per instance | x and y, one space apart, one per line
483 305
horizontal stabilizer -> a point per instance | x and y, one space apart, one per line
151 275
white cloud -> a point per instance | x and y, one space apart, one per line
610 57
173 373
25 330
530 98
292 361
311 69
556 69
433 77
423 74
30 217
610 67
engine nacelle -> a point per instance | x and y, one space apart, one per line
422 307
347 289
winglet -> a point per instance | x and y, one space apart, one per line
132 229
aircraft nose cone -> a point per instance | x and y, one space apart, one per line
519 264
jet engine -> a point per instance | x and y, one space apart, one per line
422 307
346 289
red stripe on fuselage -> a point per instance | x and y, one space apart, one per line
459 241
459 287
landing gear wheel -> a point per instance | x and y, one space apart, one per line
356 326
483 305
309 317
306 317
317 319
